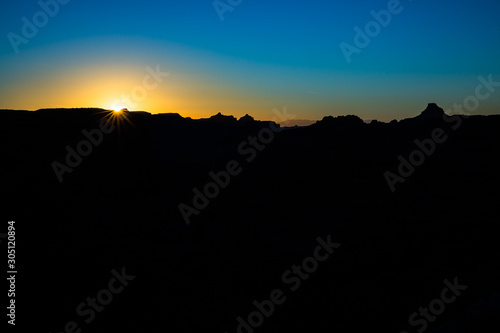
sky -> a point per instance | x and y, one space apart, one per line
377 59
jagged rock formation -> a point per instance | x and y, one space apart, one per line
431 112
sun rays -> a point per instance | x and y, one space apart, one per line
118 117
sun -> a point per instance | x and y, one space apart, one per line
118 110
119 117
118 107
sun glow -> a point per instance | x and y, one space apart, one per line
118 108
118 117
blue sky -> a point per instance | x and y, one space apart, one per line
263 55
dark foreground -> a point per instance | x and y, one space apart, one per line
302 234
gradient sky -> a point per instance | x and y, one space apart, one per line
263 55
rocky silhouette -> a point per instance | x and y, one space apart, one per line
431 112
412 203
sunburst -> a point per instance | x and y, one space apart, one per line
118 117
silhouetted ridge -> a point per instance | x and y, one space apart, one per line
344 121
431 112
297 122
222 118
246 118
232 206
170 115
